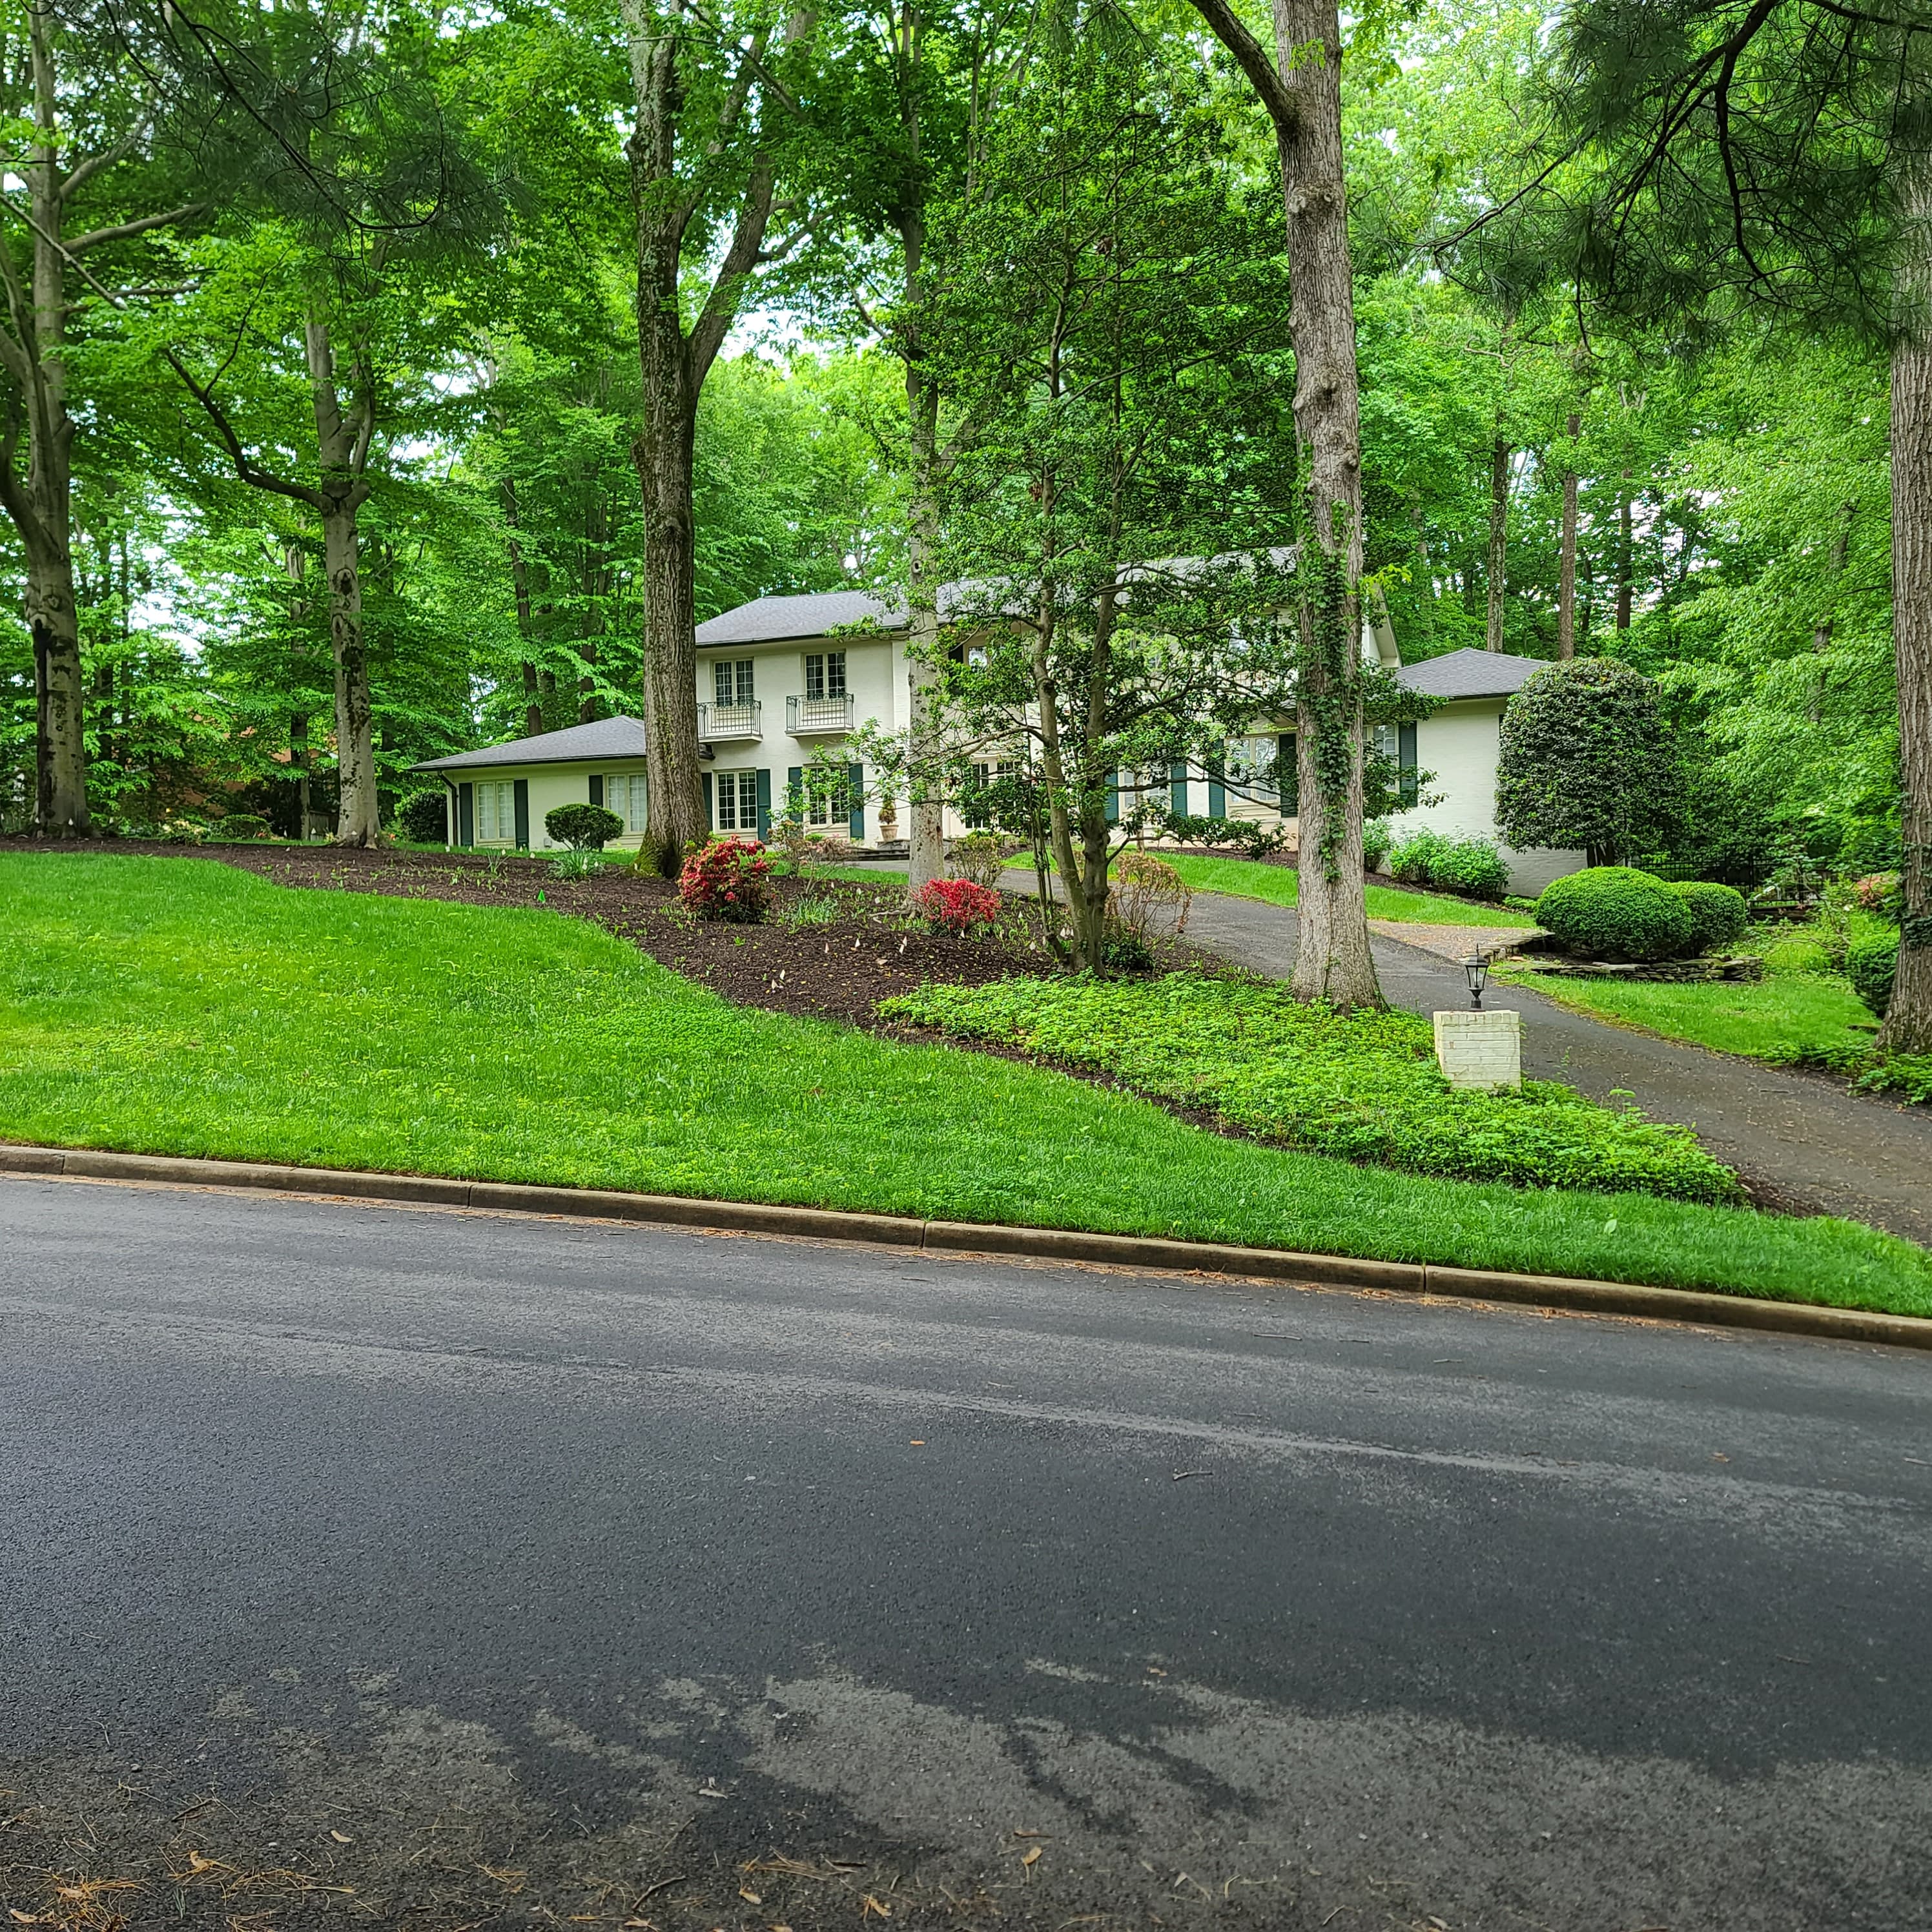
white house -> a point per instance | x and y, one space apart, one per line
783 680
1459 743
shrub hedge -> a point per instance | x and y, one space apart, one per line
1871 964
1470 866
1718 914
423 817
1616 912
1362 1085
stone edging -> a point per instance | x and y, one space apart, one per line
1596 1297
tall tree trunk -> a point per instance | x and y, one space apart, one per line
1499 463
1908 1021
925 807
52 615
342 440
298 760
1624 556
1333 961
586 685
520 587
673 366
1566 569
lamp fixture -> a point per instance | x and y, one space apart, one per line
1476 971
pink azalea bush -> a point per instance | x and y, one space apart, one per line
727 879
957 906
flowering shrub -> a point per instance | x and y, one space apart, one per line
727 880
956 905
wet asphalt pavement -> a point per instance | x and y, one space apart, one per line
367 1565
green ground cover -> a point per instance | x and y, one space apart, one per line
1362 1085
1277 885
1801 1009
184 1007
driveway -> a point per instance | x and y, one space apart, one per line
1801 1140
367 1566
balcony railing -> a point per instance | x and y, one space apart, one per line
729 721
807 717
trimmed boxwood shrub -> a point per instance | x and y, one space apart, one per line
424 817
241 825
1871 964
1718 912
1616 912
583 828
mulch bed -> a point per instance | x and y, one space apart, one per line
838 970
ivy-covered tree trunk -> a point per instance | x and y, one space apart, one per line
1332 961
1566 567
1908 1021
925 807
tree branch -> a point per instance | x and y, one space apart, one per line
127 229
1254 60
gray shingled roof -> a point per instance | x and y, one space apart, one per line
576 744
768 620
1468 674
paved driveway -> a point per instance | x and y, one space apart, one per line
503 1571
1801 1139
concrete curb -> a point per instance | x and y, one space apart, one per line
1133 1251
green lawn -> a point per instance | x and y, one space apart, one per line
1249 879
184 1007
1781 1011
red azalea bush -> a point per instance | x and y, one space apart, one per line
727 879
957 906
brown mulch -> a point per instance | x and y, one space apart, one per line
839 970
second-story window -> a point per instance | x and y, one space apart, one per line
731 681
825 673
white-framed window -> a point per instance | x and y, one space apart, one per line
496 812
624 794
731 681
825 673
987 773
735 801
827 805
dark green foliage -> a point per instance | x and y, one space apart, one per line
1125 952
424 817
1616 912
1470 866
1871 964
583 828
241 825
1718 912
1245 835
1586 761
1376 839
1364 1085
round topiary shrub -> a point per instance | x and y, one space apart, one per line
1871 965
1718 912
242 825
583 828
424 817
1616 912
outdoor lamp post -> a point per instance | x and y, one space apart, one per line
1476 971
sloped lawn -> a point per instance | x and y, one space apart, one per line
186 1007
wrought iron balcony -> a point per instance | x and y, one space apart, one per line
729 721
810 717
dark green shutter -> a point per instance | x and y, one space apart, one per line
795 792
523 797
1217 790
764 804
465 815
855 780
1114 797
710 813
1407 788
596 788
1289 773
1177 787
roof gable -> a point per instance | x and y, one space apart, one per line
1470 673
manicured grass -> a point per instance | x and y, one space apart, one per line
1775 1015
1247 879
188 1007
1363 1084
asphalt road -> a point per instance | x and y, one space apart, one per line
373 1566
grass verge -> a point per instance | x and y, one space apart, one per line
1246 879
1364 1085
174 1006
